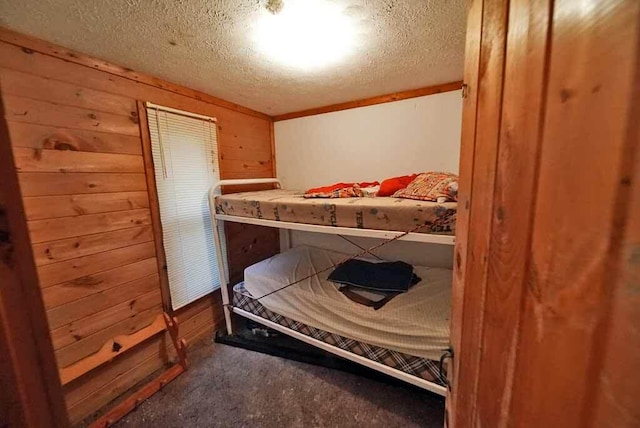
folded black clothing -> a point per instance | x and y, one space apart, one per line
384 276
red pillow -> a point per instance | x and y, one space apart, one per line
392 185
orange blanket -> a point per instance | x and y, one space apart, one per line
340 190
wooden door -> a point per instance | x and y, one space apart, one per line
547 270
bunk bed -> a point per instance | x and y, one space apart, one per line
407 339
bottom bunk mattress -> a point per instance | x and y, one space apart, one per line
410 333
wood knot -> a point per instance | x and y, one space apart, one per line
37 154
27 51
116 347
60 145
566 94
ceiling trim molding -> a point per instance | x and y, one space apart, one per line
41 46
380 99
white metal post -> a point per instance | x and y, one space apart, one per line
224 285
221 265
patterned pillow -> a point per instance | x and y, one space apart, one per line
431 186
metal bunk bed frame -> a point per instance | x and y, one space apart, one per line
218 221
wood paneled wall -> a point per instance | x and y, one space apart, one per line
546 257
30 392
77 147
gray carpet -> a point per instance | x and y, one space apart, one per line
232 387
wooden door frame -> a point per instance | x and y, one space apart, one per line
544 317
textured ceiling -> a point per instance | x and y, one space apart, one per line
207 45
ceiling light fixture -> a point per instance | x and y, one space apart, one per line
305 34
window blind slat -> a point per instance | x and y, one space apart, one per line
185 157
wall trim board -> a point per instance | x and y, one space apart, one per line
154 207
380 99
29 43
272 132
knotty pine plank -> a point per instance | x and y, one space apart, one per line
45 207
78 288
47 253
55 183
211 302
577 228
228 154
83 327
68 270
80 309
52 137
27 110
68 227
251 244
615 397
243 148
45 160
247 168
77 310
69 94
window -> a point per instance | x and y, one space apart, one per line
185 159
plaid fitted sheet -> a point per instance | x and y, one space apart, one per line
416 366
379 213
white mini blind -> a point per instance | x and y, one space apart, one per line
185 159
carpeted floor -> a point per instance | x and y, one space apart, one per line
232 387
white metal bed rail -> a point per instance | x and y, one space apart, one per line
218 219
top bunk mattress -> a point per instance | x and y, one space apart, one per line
414 323
379 213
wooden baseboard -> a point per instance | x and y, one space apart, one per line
136 399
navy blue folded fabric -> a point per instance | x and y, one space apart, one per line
395 277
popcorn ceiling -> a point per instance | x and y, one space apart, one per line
207 45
